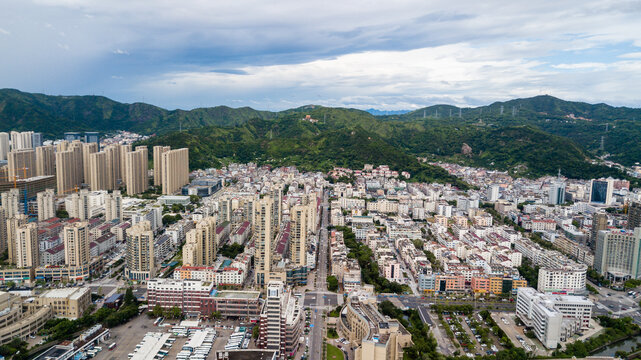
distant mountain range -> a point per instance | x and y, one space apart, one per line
528 137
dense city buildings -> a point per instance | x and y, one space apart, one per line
260 244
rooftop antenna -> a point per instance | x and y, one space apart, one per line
513 111
435 112
501 109
424 113
450 112
459 113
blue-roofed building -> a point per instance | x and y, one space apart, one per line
114 301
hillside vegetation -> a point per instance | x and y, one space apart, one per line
53 115
530 137
300 143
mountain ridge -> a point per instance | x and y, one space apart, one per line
40 112
428 132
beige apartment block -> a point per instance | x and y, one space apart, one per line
158 151
27 252
174 170
140 252
76 240
22 164
45 160
136 171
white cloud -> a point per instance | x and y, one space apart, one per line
633 55
4 32
581 66
404 53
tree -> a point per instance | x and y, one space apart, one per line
332 283
177 208
157 311
231 251
10 284
13 347
129 297
216 315
620 354
62 214
175 313
255 332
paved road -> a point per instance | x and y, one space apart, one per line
616 303
317 332
445 346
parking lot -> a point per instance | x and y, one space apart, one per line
131 334
126 337
516 334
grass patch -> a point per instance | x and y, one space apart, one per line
334 353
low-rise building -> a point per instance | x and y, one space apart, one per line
19 321
569 280
199 297
377 337
68 303
553 318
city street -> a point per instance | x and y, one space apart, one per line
317 297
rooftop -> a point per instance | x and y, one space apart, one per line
236 294
72 293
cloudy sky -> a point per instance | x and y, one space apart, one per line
277 54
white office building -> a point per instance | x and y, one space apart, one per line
553 318
493 193
568 280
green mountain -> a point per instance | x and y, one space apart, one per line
586 124
529 137
53 115
523 150
297 142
